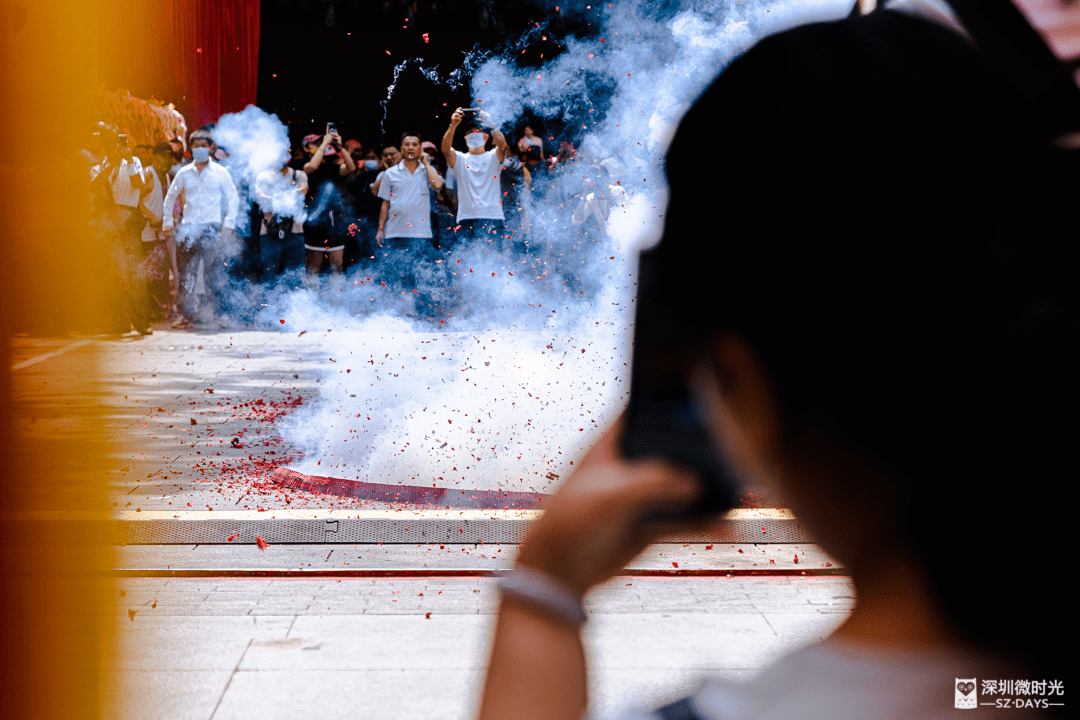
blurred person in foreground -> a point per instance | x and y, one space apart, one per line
209 204
887 331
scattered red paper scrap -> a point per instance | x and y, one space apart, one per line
261 543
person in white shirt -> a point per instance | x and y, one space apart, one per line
405 215
479 194
117 182
280 195
209 207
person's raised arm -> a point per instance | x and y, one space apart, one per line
348 167
591 528
448 138
316 160
433 176
496 135
502 149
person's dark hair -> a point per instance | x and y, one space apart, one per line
409 133
200 134
469 125
911 293
144 145
162 148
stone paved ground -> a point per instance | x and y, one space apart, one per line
216 649
310 648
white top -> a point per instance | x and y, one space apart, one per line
835 680
410 202
600 204
120 180
479 195
153 202
280 194
209 196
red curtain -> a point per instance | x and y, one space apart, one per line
201 55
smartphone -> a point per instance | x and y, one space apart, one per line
662 420
331 127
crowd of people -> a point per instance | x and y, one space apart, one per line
326 208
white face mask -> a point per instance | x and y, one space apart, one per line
200 154
475 140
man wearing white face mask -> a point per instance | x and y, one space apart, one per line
210 205
479 196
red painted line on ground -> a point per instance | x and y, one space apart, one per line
415 495
453 572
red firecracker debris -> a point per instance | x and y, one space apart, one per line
428 39
261 543
427 615
282 321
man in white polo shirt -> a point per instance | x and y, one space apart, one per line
479 194
210 204
405 215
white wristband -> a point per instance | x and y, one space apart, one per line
541 591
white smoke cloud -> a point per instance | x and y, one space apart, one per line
524 359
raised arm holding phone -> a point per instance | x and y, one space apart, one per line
479 194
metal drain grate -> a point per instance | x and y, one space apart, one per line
391 531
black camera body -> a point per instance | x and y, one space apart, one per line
662 419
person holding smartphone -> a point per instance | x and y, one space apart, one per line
326 166
478 192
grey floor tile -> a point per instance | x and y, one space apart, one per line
371 695
409 642
190 643
162 694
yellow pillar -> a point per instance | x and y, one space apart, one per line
55 610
